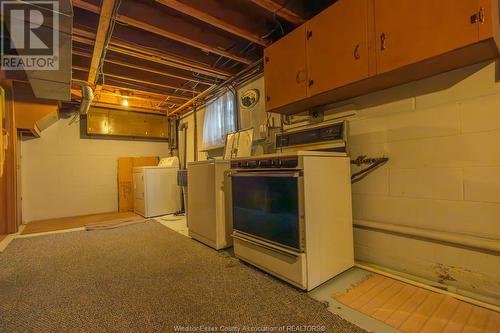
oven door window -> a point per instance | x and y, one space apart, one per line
267 207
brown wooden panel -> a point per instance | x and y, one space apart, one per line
285 69
409 31
8 181
103 121
158 129
120 123
337 46
97 121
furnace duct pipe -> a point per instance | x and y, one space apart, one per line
87 98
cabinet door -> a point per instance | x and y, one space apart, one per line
408 31
337 46
285 70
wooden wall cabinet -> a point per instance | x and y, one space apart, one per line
409 31
355 47
285 70
337 46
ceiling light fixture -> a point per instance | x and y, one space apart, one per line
125 102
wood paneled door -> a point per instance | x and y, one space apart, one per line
285 70
337 46
409 31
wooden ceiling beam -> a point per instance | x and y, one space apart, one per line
170 35
214 21
148 83
167 34
139 92
107 99
136 51
105 19
280 11
143 69
155 71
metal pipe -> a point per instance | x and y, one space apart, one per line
214 88
480 243
87 98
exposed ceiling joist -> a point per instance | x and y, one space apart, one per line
214 21
149 94
149 83
181 39
280 11
143 82
154 71
105 18
142 68
137 104
167 34
155 84
136 51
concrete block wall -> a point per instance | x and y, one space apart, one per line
442 136
64 175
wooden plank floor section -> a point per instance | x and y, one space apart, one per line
416 310
75 222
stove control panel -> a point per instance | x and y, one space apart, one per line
336 132
267 163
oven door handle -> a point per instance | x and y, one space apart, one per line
278 174
284 252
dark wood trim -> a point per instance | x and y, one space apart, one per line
8 182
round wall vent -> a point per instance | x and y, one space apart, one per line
249 98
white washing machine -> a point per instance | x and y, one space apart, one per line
207 206
156 191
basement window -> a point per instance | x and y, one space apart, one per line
220 119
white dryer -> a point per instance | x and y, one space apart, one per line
156 191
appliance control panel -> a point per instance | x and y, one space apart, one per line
267 163
330 133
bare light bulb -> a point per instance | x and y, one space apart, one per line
125 102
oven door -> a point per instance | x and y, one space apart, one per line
268 205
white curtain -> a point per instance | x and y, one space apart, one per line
220 119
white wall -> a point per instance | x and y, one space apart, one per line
442 136
64 175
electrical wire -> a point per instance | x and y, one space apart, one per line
360 175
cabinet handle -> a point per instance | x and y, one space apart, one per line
382 42
478 17
299 78
267 60
357 56
309 34
311 83
268 98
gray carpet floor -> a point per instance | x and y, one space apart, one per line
142 278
